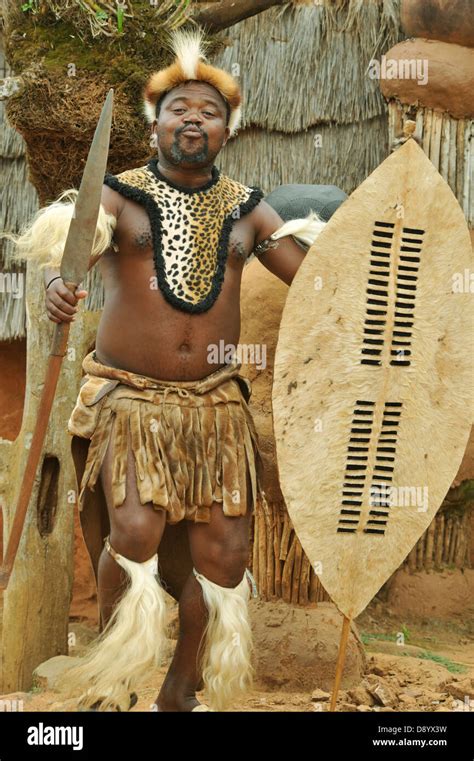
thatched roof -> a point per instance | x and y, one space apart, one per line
306 64
311 112
19 202
347 154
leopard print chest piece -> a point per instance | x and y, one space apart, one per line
190 230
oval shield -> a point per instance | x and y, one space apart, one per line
372 392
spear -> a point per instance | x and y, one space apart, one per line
73 269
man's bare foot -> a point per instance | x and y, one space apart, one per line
168 700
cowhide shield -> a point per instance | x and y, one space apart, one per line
372 393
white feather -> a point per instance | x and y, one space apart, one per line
149 109
234 120
188 48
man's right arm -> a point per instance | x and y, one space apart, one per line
61 303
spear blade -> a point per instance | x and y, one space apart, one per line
80 238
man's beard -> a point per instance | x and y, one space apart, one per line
178 156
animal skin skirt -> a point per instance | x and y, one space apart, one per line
193 442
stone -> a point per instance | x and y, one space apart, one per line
14 701
320 695
414 693
64 706
296 647
348 707
407 700
297 700
80 636
360 695
460 687
46 675
16 696
382 694
378 671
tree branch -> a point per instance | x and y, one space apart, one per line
229 12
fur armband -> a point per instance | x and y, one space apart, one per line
305 229
44 239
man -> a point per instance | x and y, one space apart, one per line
171 436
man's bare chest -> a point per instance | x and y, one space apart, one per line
134 237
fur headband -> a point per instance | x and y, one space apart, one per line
189 64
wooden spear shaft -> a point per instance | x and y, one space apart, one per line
341 657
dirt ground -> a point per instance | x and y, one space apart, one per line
419 665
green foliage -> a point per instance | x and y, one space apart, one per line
31 5
120 16
405 632
386 636
452 666
367 638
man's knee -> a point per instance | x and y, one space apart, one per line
138 537
225 565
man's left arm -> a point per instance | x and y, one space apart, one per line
281 257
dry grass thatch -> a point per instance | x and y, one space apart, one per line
19 202
57 148
318 155
303 65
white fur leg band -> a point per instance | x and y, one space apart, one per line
132 643
226 647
